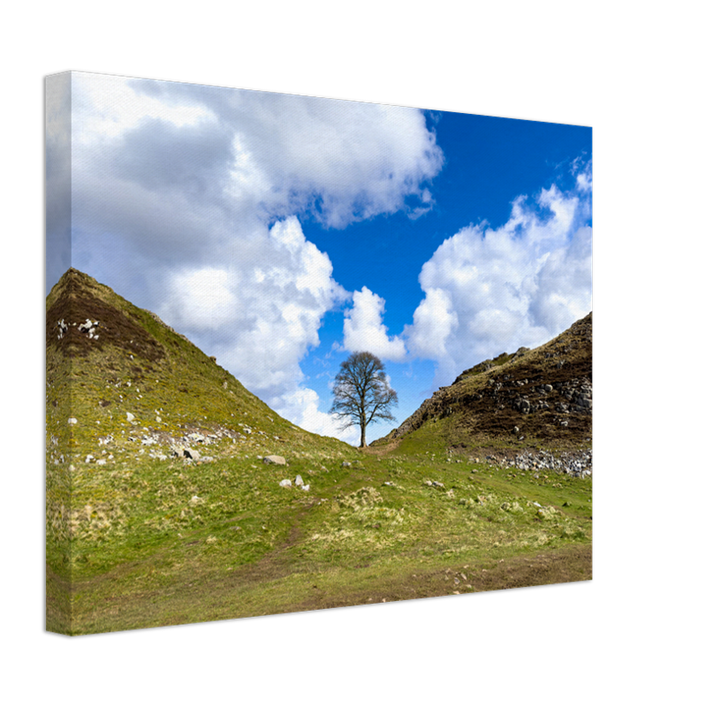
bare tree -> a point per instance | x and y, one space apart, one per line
362 393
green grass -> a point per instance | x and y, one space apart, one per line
169 542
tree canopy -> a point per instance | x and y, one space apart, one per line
361 392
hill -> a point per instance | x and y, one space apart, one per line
533 399
119 372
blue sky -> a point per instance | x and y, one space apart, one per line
282 232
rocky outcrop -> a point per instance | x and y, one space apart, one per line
545 392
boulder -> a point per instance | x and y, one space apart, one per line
275 459
176 450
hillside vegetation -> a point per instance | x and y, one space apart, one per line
164 502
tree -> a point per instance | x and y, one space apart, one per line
362 393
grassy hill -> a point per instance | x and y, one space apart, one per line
532 399
161 508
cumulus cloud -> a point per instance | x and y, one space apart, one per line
433 322
185 199
364 331
493 290
202 299
258 314
303 407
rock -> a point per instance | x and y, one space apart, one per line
305 487
191 454
275 459
247 430
72 421
176 450
207 459
101 462
345 464
548 388
286 483
298 480
130 416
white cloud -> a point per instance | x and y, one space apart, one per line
259 314
201 299
185 200
433 322
364 331
302 407
494 290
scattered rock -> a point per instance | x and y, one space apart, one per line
286 483
72 421
345 464
305 487
191 454
130 416
577 464
298 480
176 450
435 484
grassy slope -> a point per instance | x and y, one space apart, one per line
151 542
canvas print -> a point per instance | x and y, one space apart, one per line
306 353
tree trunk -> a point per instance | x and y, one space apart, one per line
362 436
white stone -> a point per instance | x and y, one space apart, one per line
72 421
275 459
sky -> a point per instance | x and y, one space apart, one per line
280 233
